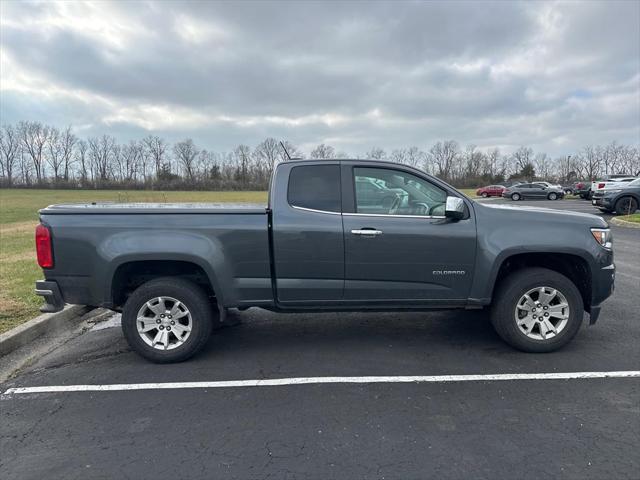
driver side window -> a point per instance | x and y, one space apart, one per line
385 191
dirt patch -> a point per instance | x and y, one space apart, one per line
18 227
9 305
18 257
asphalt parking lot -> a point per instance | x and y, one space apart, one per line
526 429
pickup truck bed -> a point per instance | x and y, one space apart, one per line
94 242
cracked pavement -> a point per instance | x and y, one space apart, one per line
582 429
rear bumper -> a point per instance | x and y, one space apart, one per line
50 291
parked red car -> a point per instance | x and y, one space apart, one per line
490 191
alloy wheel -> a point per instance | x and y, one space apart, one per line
164 323
542 313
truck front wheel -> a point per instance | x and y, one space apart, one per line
167 320
537 310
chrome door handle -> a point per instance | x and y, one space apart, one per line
371 232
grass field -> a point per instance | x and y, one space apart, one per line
19 216
635 218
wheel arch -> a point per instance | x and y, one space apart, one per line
573 266
623 196
129 273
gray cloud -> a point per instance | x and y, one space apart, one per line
552 75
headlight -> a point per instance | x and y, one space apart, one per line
603 237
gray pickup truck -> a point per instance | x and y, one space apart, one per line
327 241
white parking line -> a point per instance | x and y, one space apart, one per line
321 380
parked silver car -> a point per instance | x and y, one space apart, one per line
533 190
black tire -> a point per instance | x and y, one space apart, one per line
552 196
515 197
484 195
509 292
191 296
626 206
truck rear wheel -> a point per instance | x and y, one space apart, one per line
537 310
167 320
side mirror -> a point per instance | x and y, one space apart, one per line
454 208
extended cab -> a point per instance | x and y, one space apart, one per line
325 242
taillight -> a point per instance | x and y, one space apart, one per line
43 247
601 185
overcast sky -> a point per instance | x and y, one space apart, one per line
554 76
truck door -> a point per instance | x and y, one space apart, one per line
308 244
408 252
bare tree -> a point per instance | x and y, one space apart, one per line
493 160
414 157
523 157
542 165
100 153
268 153
156 148
54 153
591 162
67 145
376 153
9 151
443 156
473 162
242 158
33 136
186 153
25 167
323 152
83 160
131 155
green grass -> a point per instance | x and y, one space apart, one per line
19 216
469 192
635 218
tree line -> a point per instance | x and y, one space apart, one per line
33 154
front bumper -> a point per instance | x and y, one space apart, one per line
603 285
50 291
602 202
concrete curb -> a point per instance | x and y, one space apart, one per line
623 223
45 324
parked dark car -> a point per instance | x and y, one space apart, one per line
174 270
582 189
490 191
533 191
623 199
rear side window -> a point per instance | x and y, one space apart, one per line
316 187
